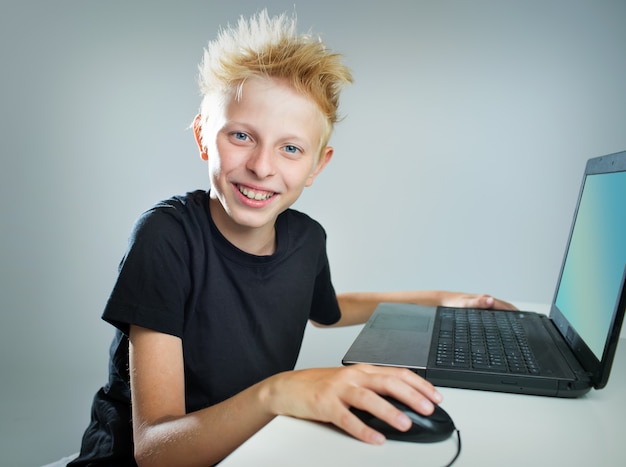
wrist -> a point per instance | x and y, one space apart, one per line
271 393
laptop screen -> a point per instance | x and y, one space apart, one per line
594 268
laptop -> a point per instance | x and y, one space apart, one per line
563 354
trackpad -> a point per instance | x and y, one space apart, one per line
401 321
396 335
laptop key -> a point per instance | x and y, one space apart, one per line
487 341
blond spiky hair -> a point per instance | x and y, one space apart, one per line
266 46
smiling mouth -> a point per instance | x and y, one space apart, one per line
255 194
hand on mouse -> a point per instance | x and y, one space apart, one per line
328 394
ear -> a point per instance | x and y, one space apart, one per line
197 132
325 157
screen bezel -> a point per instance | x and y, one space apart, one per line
599 370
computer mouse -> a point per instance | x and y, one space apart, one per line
426 428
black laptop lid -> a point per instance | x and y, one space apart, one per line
589 302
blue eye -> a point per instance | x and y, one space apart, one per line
240 136
291 149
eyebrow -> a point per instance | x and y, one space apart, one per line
287 137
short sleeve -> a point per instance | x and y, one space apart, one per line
325 307
154 277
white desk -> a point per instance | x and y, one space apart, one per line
496 429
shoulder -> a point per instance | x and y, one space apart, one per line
299 222
193 203
298 232
176 220
188 208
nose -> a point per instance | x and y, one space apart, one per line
261 162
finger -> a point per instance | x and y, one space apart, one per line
352 425
490 302
379 408
502 305
401 384
416 391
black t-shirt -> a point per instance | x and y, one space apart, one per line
241 317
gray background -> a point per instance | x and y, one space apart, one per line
457 165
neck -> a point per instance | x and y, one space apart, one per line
255 241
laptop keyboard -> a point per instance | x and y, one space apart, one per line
483 340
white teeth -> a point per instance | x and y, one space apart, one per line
255 195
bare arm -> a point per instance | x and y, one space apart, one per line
357 307
165 435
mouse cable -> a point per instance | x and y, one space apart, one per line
458 449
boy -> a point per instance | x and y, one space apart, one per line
216 287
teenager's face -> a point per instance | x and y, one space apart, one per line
263 148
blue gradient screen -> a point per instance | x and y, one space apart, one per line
592 274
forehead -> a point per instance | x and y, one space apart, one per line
268 103
267 94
